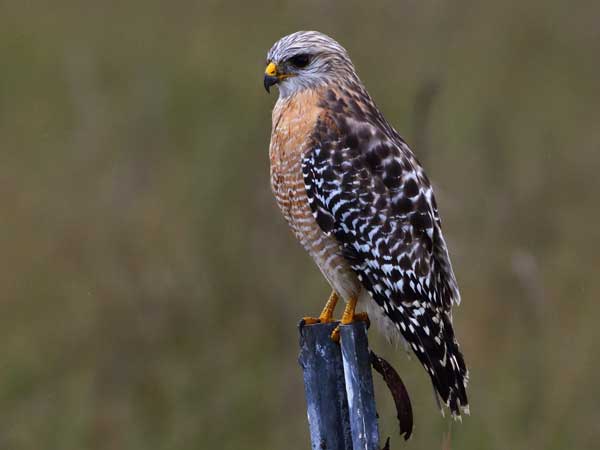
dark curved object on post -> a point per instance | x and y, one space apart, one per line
399 394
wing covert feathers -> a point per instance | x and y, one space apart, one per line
366 188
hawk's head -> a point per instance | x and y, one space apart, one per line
306 59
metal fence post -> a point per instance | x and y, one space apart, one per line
338 384
359 386
327 406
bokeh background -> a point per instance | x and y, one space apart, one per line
150 290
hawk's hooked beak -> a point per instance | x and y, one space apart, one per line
271 77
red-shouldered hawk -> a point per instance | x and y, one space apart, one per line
360 203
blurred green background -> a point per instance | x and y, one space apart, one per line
150 289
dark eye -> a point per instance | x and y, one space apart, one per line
300 61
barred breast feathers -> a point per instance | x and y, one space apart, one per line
294 120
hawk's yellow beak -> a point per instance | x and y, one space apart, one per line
270 76
271 70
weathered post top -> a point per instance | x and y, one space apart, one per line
327 406
339 387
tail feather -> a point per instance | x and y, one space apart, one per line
430 334
449 374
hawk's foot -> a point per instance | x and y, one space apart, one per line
349 316
358 317
309 321
327 313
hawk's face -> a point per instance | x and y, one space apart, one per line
305 59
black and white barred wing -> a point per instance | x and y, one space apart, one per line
379 206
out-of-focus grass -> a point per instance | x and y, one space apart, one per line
150 289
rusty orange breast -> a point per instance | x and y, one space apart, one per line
294 120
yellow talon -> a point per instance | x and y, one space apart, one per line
335 334
362 317
310 320
348 317
327 313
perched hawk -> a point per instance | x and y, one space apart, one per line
359 202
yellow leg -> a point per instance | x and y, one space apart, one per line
348 317
327 312
348 314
